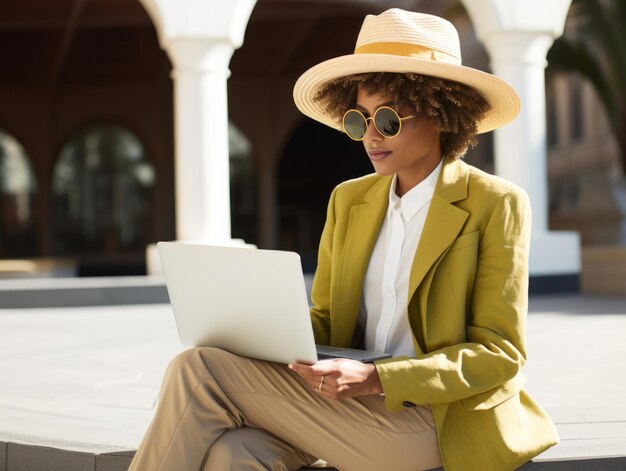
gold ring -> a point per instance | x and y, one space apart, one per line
319 388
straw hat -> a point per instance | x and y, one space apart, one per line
402 41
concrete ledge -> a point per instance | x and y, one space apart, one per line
596 464
114 461
20 457
35 458
74 292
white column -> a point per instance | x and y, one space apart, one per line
201 137
200 37
517 35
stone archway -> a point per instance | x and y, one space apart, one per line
70 63
312 163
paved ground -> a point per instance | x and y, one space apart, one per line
577 371
86 379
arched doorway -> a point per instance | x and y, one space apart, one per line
313 162
70 63
102 187
18 187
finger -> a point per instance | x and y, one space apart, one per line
308 377
319 369
302 369
320 382
327 393
330 381
313 381
335 393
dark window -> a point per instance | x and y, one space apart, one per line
101 193
18 187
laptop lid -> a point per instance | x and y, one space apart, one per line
248 301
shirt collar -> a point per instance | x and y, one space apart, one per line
414 199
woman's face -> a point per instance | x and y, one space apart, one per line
413 154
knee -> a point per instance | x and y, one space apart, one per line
183 359
195 356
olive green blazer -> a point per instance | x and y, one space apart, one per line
467 306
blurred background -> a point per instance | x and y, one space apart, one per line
87 132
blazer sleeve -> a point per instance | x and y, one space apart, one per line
494 349
320 291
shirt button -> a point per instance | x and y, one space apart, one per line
408 404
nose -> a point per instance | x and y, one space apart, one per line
371 133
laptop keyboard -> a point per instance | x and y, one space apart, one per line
325 356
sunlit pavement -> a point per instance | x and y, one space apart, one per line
86 378
577 371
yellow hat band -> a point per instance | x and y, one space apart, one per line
407 50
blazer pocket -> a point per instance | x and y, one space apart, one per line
496 396
466 240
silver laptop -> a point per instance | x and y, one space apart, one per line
247 301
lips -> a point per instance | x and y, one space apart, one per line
378 154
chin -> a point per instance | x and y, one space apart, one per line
384 170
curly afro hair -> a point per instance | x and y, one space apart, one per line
453 107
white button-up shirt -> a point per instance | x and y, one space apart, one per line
383 314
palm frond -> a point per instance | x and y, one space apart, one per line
570 56
602 28
597 51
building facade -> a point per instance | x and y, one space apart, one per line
87 132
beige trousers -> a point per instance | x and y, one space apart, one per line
218 411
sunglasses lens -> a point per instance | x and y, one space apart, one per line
387 122
355 125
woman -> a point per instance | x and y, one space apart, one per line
426 260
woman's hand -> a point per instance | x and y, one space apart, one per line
340 378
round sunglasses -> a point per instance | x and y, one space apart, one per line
387 122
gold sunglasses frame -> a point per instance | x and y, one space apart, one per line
373 118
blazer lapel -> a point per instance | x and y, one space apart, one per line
443 222
362 233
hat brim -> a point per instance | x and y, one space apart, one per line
504 104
